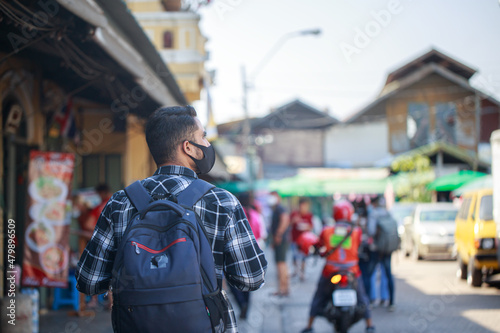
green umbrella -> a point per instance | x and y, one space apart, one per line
454 180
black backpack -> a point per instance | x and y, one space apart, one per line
164 273
387 238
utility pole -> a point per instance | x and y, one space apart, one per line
246 131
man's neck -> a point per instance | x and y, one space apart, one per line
175 163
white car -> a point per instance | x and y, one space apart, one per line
430 232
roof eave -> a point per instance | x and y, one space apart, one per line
438 146
413 78
116 28
469 70
329 120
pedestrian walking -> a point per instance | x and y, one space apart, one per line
379 287
384 240
280 223
256 224
177 141
88 226
301 221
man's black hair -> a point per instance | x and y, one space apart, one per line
167 128
377 200
303 200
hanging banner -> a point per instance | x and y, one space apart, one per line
46 249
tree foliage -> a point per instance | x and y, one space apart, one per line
414 173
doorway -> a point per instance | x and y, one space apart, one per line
15 161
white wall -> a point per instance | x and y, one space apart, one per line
356 145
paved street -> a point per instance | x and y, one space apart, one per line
428 297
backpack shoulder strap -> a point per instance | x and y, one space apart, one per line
138 195
194 192
188 197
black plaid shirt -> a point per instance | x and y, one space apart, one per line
235 250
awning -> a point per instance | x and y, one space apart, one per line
119 35
320 182
454 180
476 184
356 186
302 185
236 187
299 185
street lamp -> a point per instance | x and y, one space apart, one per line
247 85
278 46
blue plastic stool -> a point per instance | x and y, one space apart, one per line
100 298
68 296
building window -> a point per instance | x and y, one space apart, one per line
445 123
168 40
417 124
102 168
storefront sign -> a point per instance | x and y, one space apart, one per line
46 249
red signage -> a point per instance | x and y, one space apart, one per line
46 239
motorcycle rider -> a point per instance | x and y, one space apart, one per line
344 258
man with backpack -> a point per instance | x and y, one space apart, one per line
383 230
153 242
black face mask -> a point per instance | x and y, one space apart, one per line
207 162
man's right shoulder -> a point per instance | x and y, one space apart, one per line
222 198
118 201
118 197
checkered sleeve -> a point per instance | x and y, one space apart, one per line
244 262
94 270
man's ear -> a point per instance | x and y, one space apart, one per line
187 149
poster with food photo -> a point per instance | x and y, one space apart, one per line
46 249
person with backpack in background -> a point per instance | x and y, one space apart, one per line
384 239
378 286
165 243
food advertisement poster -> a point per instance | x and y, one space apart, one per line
46 249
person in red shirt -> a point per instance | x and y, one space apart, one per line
89 223
301 221
342 259
104 193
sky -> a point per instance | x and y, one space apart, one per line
344 68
